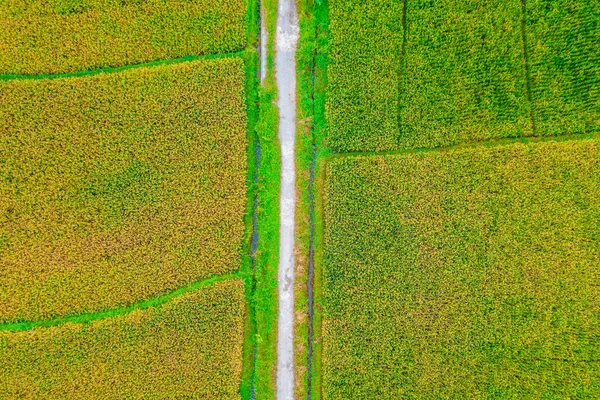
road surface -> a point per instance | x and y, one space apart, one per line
286 40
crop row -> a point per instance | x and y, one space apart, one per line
190 347
441 72
465 273
118 187
55 36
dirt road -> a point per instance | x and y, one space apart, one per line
285 64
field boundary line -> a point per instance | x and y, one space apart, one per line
527 66
108 70
114 312
472 144
401 66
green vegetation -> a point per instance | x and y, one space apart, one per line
52 36
189 347
564 49
430 73
267 185
119 187
365 38
463 273
312 90
463 74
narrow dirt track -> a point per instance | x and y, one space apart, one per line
285 64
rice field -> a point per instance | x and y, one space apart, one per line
463 273
121 186
563 47
424 74
57 36
190 347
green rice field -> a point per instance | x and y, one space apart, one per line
464 273
423 74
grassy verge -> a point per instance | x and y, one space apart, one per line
267 253
310 153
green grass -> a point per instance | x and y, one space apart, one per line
54 36
434 73
563 48
463 273
189 347
311 59
267 219
119 187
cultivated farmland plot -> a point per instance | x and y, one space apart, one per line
124 200
118 187
469 273
189 347
421 74
51 36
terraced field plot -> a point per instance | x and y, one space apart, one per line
422 74
190 347
467 273
118 187
50 36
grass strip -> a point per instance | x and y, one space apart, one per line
311 151
114 312
80 73
266 256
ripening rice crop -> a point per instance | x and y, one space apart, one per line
118 187
190 347
463 73
466 273
563 44
431 73
50 36
365 39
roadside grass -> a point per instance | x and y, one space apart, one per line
188 347
467 273
311 151
57 36
117 188
267 219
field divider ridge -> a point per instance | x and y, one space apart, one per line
471 144
527 66
212 56
401 64
114 312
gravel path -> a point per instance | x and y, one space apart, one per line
285 64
